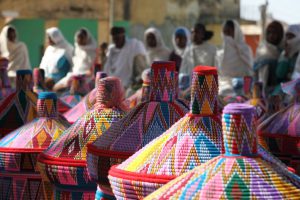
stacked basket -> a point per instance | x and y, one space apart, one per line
19 107
19 176
142 124
239 173
64 162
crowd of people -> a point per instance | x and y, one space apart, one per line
276 60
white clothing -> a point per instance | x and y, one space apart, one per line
158 53
54 53
16 52
84 56
203 54
120 61
235 60
83 59
180 52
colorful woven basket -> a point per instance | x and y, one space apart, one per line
239 173
142 124
281 131
5 87
64 162
19 107
19 176
193 140
78 88
39 86
86 104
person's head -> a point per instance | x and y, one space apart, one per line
181 38
274 33
228 29
82 37
200 34
118 36
151 40
11 34
54 35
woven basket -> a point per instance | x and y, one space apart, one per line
64 162
19 176
142 124
19 107
86 104
281 131
193 140
239 173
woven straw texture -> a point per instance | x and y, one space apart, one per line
193 140
19 176
64 162
141 125
19 107
238 174
281 133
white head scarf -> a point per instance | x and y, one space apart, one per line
294 43
84 56
178 50
16 52
158 53
237 57
60 42
54 52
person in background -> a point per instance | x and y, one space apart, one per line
103 53
126 59
180 39
83 59
289 62
235 60
200 52
267 55
57 59
155 46
15 51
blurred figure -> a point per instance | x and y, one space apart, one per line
180 39
200 52
235 59
83 59
126 58
57 59
155 46
103 53
267 55
287 60
15 51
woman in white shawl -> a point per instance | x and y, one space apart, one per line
267 55
155 46
57 59
235 59
83 59
200 52
15 51
181 39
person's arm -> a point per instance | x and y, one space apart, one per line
139 65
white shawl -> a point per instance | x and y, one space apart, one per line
54 52
158 53
120 61
16 52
